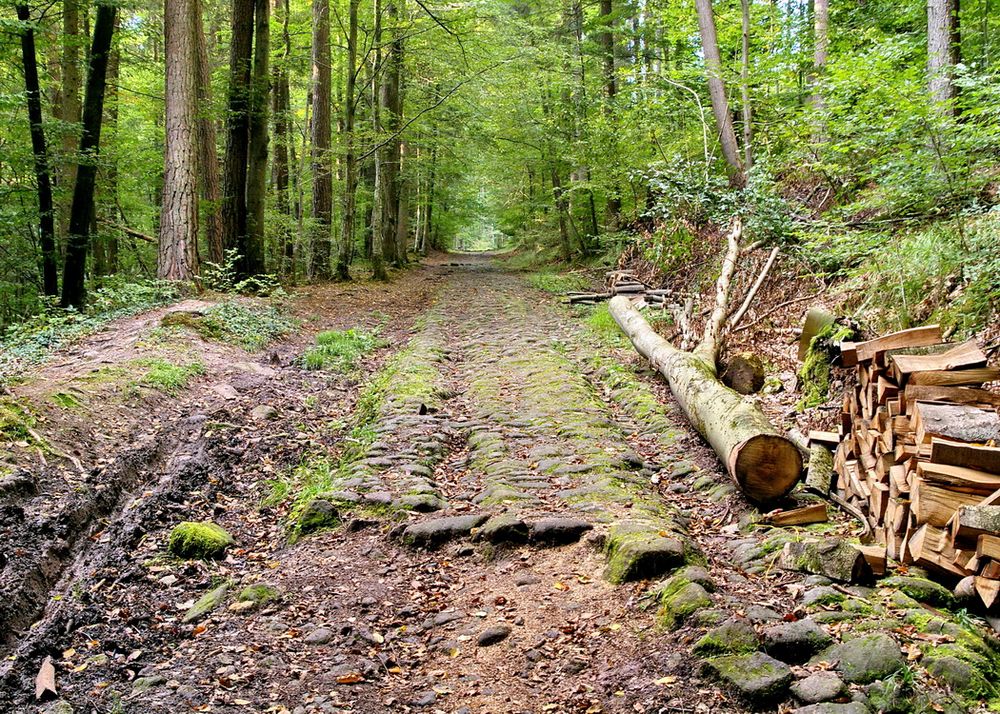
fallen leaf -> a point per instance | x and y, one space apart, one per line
351 678
665 681
45 681
561 586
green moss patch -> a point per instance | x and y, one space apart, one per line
198 540
340 350
166 376
637 551
814 376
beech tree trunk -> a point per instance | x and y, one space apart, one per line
257 140
745 85
234 172
350 156
764 464
46 215
178 255
941 52
69 105
391 121
81 214
106 244
208 161
322 197
378 255
717 91
280 103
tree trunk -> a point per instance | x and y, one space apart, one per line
46 217
69 110
378 209
560 202
402 207
764 464
280 102
428 234
821 39
74 290
106 244
208 162
717 91
322 198
392 120
613 206
350 156
941 32
234 172
178 257
745 85
257 159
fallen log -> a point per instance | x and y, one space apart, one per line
764 464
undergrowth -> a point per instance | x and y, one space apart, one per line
558 283
250 325
167 377
340 350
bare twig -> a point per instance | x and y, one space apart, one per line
779 307
709 346
752 293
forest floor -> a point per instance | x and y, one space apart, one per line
486 399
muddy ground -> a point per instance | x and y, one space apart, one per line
488 400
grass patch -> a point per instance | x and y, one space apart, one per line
558 283
16 422
340 350
66 400
602 324
166 376
250 325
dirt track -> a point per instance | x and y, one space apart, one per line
495 401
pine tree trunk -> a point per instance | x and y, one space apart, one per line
717 91
234 171
208 161
613 206
350 156
322 198
74 289
282 139
257 160
46 214
178 256
378 256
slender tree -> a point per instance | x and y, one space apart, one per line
613 207
745 84
280 102
821 44
378 254
942 52
258 140
717 91
234 172
208 159
391 110
43 180
69 103
74 289
350 155
322 196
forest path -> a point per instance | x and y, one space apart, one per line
500 405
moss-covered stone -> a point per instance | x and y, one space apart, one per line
758 678
922 590
814 376
795 641
206 603
259 595
637 551
865 659
317 514
679 599
503 529
191 539
733 637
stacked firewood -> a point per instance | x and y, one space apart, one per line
623 282
917 453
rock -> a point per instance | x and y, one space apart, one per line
922 590
493 635
18 484
819 687
420 503
526 578
733 637
795 642
865 659
264 412
952 671
206 603
60 706
557 531
225 390
318 513
679 599
190 539
504 528
757 677
744 373
143 684
434 533
258 595
700 575
425 699
832 557
822 595
831 708
708 617
759 613
637 552
319 636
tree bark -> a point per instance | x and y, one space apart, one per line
745 85
46 213
392 121
178 240
378 255
350 156
69 110
234 173
208 162
322 198
280 102
717 91
257 135
74 289
941 53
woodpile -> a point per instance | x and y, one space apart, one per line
623 282
917 453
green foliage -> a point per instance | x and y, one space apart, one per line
558 283
251 325
600 321
206 540
223 278
16 421
340 350
166 376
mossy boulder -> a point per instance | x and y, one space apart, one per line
206 603
922 590
319 513
255 596
795 641
438 531
679 599
757 678
865 659
205 539
503 529
733 637
637 551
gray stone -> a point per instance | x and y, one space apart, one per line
865 659
638 552
493 635
377 498
206 603
680 599
952 671
434 533
425 699
319 636
318 513
700 575
143 684
557 531
60 706
733 637
822 595
525 578
922 590
821 686
795 642
757 677
831 708
264 412
708 617
420 502
505 528
759 613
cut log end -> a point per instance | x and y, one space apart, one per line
766 466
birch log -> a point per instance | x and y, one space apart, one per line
764 464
